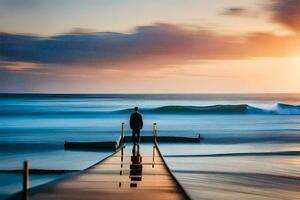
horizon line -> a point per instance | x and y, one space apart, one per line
156 93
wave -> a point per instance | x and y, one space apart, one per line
257 176
276 153
27 147
276 139
276 109
39 171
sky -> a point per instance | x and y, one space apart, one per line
143 46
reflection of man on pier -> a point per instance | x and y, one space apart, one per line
136 166
136 124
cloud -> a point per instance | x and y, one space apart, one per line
287 12
241 12
19 66
236 11
147 46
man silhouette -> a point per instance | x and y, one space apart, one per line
136 124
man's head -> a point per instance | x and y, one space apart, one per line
136 109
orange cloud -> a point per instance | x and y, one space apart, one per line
148 46
287 12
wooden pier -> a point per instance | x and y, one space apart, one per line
132 172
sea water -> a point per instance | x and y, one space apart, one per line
250 147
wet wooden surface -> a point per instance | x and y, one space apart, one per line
128 174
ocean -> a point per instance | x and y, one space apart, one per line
250 147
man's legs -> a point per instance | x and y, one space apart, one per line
133 137
138 136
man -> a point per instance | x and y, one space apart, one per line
136 124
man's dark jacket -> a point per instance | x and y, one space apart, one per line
136 121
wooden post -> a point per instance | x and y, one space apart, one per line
121 137
153 156
25 179
122 155
154 131
122 133
153 153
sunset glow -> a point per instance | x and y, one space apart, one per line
149 47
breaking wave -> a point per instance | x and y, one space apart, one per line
276 109
273 109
